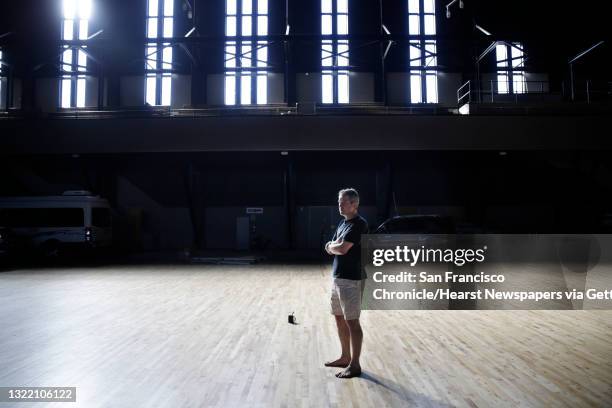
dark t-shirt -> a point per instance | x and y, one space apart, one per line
348 266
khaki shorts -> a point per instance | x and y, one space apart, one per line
345 299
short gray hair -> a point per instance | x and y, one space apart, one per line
350 193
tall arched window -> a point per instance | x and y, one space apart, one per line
510 68
246 52
158 55
73 64
422 53
334 51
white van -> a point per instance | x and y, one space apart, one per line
52 223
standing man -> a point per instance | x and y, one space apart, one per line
347 282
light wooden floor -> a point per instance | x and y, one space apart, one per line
200 336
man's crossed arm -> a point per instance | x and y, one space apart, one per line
338 247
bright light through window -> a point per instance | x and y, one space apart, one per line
262 89
245 89
66 91
247 28
510 65
75 25
431 87
247 7
166 89
69 9
168 8
230 89
85 9
422 52
413 6
81 84
158 56
246 64
328 87
151 88
262 54
416 96
262 7
335 52
343 87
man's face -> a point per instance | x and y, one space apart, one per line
345 206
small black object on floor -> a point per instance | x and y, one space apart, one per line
292 319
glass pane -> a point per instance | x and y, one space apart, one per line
342 24
247 7
230 7
151 57
168 27
415 55
166 90
230 26
415 88
343 87
83 29
326 54
429 6
82 61
516 51
262 6
66 90
326 6
230 56
502 55
431 83
326 24
247 28
151 87
343 54
68 30
430 24
431 59
502 84
245 56
81 86
262 55
518 83
167 58
168 8
413 6
327 83
413 25
341 6
85 9
262 89
152 28
230 89
245 89
153 8
67 60
262 25
69 8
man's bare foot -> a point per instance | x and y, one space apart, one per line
341 362
349 372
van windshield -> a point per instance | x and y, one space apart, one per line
41 217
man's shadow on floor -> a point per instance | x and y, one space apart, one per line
408 396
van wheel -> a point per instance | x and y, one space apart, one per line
50 249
